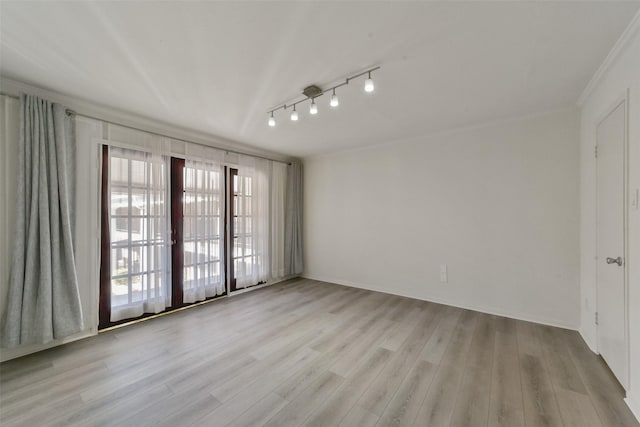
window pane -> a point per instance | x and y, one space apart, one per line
189 252
237 248
157 202
138 201
119 200
119 171
214 269
188 228
248 246
138 260
189 275
119 261
119 291
238 267
138 172
214 250
138 283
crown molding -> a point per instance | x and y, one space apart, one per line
611 57
15 87
442 133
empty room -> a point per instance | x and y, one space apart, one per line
320 213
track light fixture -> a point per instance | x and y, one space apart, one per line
313 91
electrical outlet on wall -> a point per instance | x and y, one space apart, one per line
443 273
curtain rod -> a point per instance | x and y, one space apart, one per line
72 112
9 95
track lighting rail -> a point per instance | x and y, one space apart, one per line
319 92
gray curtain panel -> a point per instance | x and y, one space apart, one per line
293 221
43 301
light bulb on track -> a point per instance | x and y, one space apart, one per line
368 84
294 114
334 99
272 120
313 108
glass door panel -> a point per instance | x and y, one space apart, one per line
135 279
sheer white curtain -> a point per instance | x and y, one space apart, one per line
87 218
251 247
278 191
203 224
139 233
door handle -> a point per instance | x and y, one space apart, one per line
615 261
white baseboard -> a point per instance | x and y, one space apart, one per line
591 345
264 285
487 310
14 353
634 406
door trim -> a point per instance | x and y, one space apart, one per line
622 100
176 177
233 172
104 291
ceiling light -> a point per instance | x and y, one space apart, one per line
313 91
334 99
368 84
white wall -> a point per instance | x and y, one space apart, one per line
619 74
498 204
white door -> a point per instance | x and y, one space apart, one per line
612 325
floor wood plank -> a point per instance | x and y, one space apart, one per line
472 403
506 403
299 409
437 409
304 352
405 404
343 400
540 403
378 395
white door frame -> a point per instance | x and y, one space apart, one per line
624 99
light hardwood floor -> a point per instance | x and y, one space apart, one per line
311 353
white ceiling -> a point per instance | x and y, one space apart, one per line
217 67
